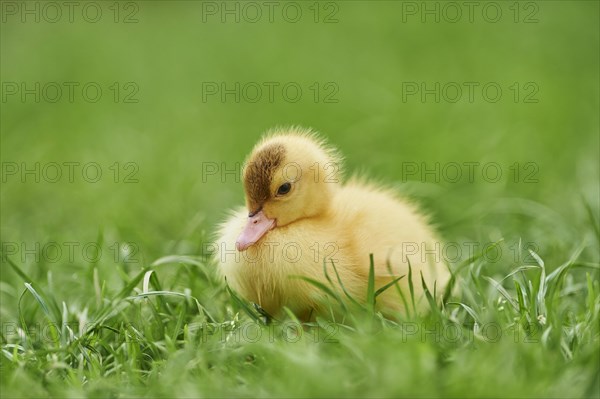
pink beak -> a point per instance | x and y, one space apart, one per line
258 225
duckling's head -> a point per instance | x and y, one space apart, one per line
290 175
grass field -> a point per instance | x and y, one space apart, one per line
122 125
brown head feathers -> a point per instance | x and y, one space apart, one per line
259 173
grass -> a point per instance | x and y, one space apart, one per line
530 333
107 289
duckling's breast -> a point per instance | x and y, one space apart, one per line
270 272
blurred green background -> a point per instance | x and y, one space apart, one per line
169 53
367 52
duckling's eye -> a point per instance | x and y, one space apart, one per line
284 189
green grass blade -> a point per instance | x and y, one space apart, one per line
411 287
371 285
53 313
541 286
319 285
520 298
388 285
520 269
339 279
17 270
243 305
428 295
157 294
449 286
39 299
399 289
503 292
469 310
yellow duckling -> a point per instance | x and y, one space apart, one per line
299 215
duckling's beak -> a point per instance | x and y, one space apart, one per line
258 225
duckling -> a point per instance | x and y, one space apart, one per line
300 217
